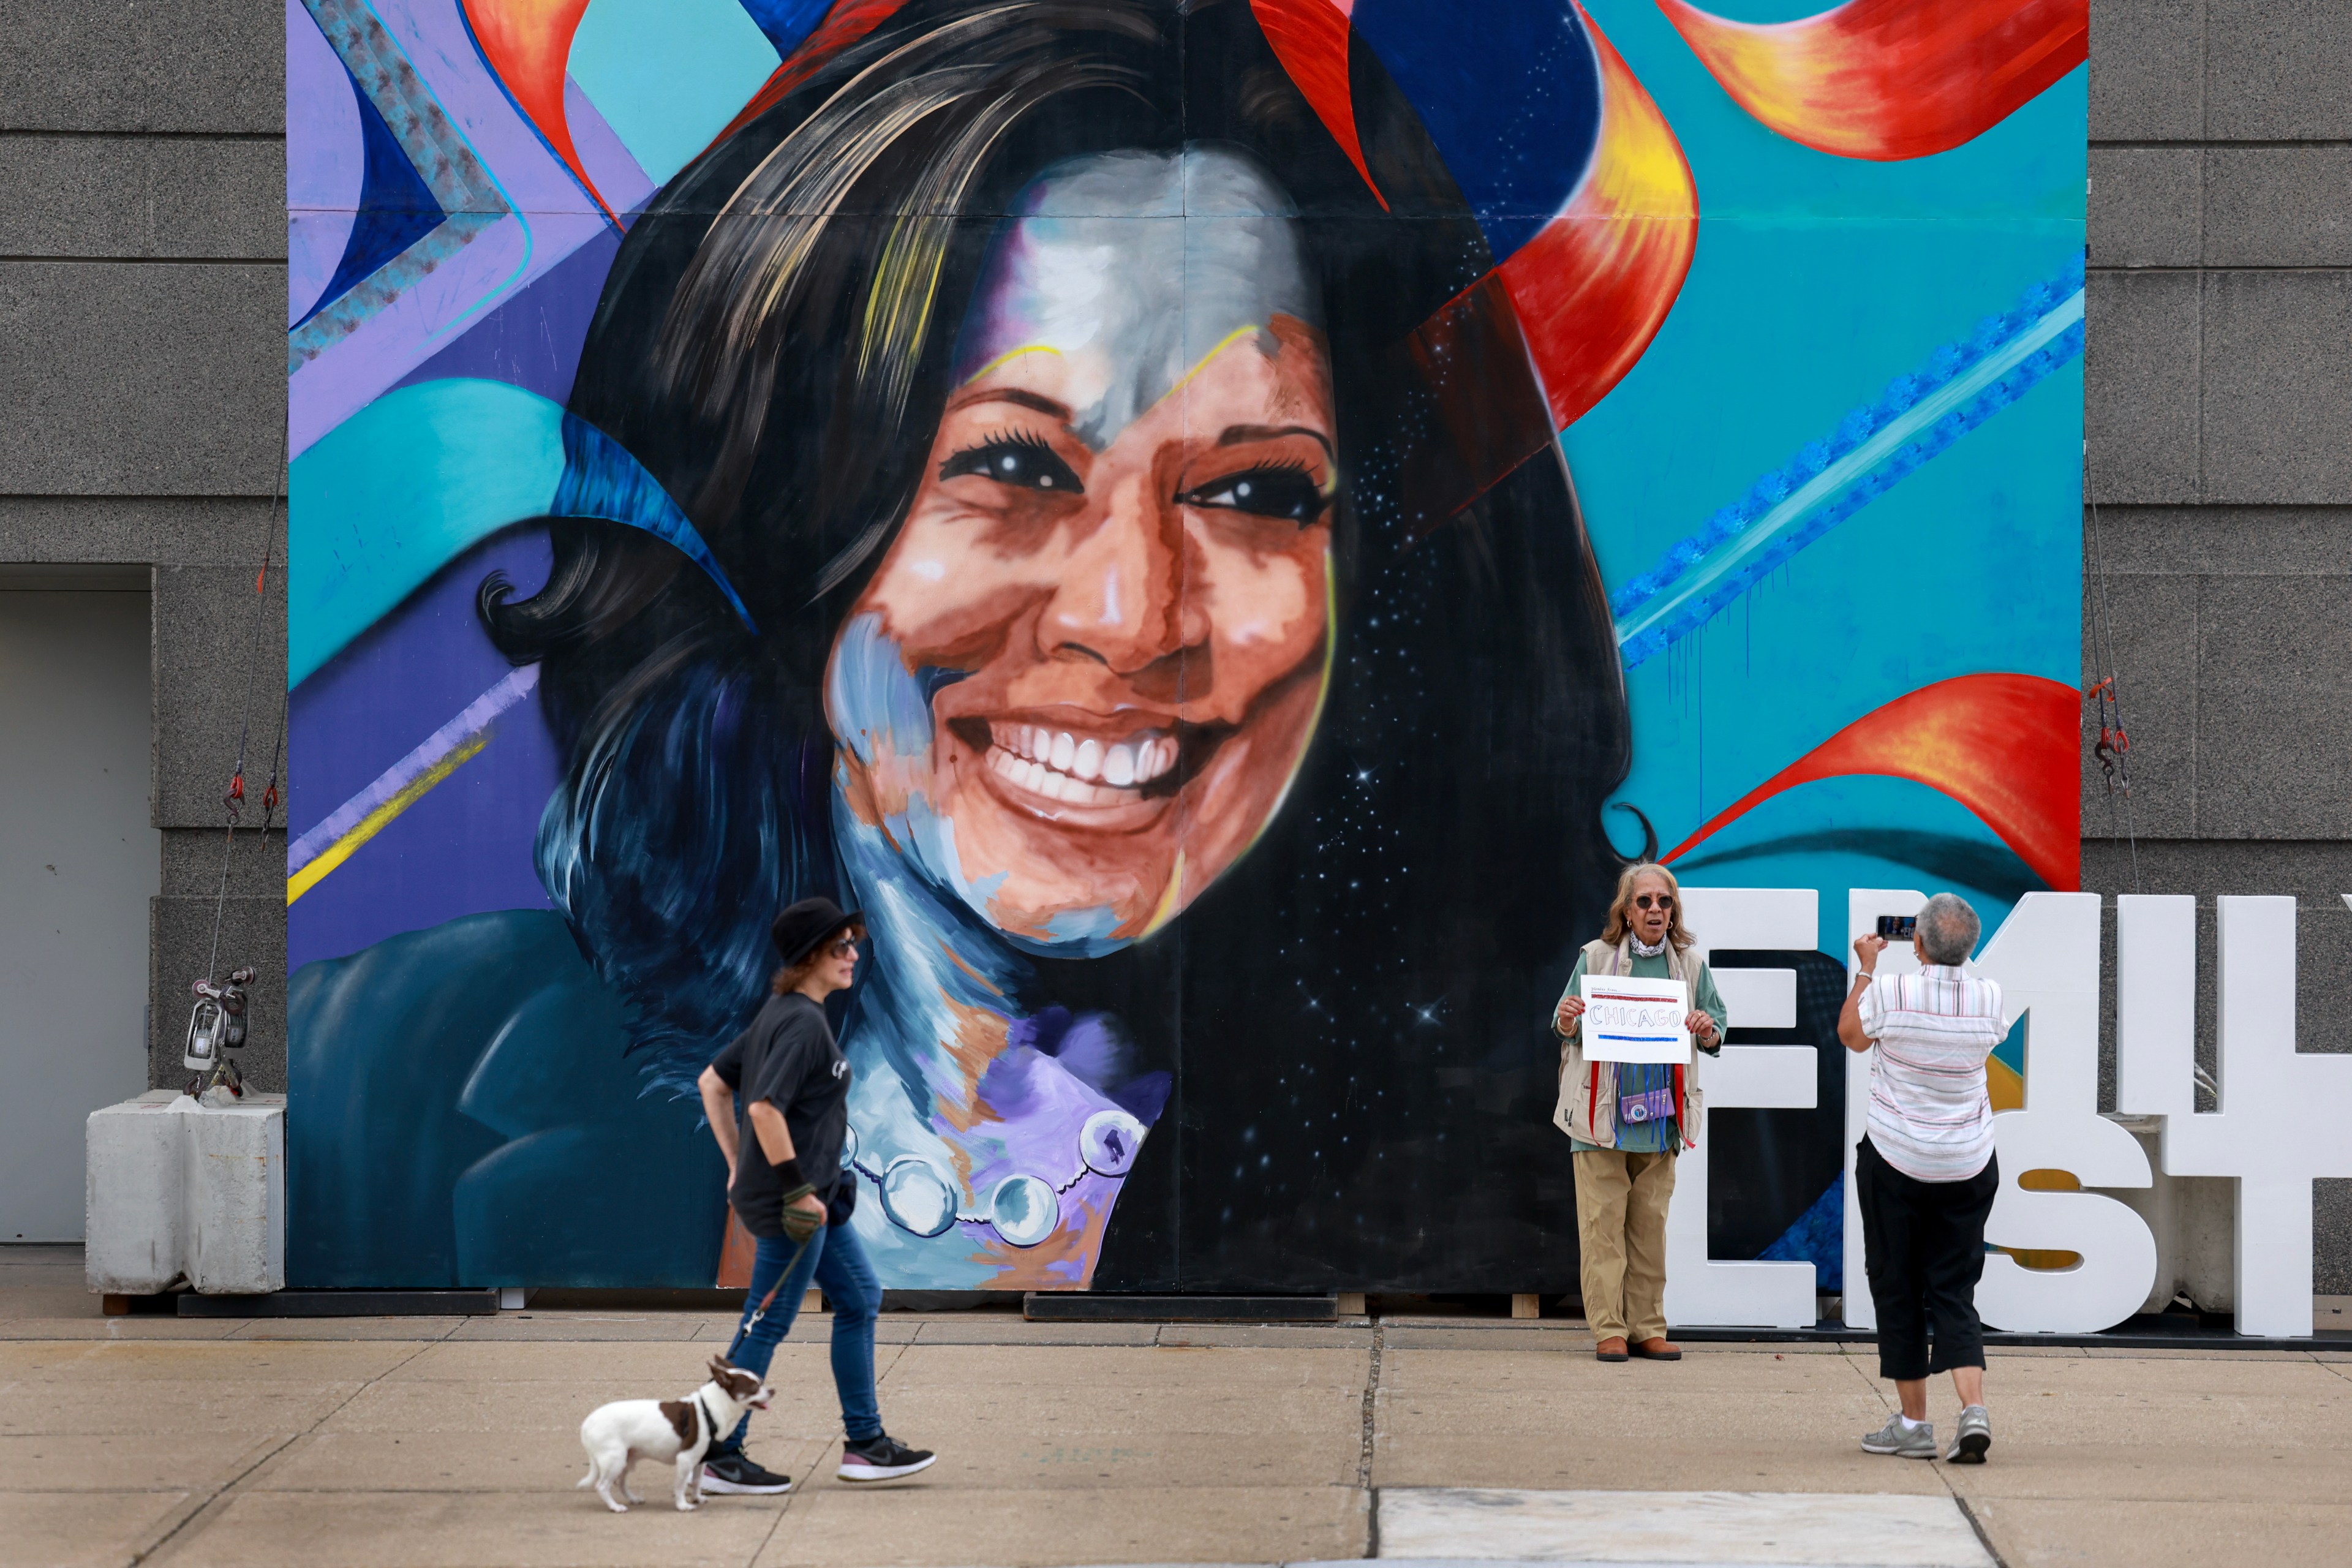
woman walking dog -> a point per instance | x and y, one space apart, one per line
1625 1125
787 1079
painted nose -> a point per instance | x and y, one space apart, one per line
1121 598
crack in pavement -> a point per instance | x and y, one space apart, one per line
178 1532
1370 1439
882 1371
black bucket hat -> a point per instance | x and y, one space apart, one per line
802 929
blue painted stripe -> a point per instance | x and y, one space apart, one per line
1916 419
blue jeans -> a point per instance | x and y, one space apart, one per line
835 1260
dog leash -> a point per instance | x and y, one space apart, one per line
769 1300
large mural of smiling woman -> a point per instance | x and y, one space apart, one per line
1082 484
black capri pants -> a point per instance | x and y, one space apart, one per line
1923 1246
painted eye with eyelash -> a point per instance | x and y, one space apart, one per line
1277 490
1022 461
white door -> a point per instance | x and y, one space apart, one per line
79 863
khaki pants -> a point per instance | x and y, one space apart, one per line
1620 1224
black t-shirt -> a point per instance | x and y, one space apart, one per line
788 1058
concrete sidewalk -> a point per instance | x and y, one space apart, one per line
368 1441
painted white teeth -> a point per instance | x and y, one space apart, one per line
1058 765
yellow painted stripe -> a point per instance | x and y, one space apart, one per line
375 821
1228 341
1011 354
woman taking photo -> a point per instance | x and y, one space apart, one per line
1627 1121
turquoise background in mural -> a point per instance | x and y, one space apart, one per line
1818 280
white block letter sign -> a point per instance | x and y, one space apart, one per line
1631 1020
2046 960
1700 1290
2284 1117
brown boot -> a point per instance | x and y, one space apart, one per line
1610 1349
1658 1350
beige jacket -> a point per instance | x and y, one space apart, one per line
1585 1113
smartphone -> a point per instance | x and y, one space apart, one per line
1897 928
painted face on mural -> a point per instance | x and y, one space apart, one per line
1113 579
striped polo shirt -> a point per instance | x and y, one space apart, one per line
1930 1116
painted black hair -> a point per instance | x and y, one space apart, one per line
1357 1011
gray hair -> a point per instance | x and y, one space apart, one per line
1949 928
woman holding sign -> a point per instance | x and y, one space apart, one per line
1636 1002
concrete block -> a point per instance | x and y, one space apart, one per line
181 1191
180 938
2146 81
165 530
2235 540
99 65
2142 206
2153 628
194 859
2140 388
220 668
2331 1235
2278 206
2278 69
126 197
141 378
2274 709
2277 387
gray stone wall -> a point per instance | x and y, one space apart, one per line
2219 422
142 312
142 363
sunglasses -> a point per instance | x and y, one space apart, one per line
1653 901
843 948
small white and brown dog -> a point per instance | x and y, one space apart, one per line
618 1435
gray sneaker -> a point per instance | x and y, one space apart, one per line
1911 1443
1974 1437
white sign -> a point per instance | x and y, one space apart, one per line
2281 1121
1701 1289
1628 1019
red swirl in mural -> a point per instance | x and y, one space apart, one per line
1890 79
1594 286
2005 746
528 44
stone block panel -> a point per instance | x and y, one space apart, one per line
2140 385
141 378
2221 540
142 197
2147 84
2277 69
2278 206
2152 633
2273 712
180 941
2276 415
135 530
220 668
102 65
2144 207
195 858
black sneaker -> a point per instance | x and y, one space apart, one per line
882 1458
737 1473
